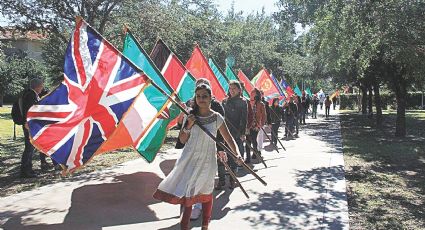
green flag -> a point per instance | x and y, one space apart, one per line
224 82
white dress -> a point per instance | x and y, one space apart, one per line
192 178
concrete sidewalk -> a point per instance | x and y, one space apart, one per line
306 190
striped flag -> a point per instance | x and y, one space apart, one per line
155 111
224 82
180 79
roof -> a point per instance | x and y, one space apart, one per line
11 33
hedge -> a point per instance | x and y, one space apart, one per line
351 101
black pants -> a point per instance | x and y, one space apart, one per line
275 130
252 137
26 160
327 109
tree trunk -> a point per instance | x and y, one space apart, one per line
378 104
1 100
401 95
364 99
370 102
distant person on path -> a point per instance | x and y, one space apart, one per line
327 106
298 115
29 98
259 119
334 99
261 135
290 117
276 116
322 98
192 178
307 104
303 109
236 111
315 103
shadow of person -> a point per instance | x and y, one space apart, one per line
166 166
109 204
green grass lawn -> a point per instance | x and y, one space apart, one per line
11 152
385 175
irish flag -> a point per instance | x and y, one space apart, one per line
145 124
198 66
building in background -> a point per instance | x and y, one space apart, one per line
21 43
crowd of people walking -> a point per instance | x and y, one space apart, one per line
242 123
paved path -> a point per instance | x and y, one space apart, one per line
306 190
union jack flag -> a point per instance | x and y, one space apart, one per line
99 86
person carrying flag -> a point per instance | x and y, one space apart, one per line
236 111
192 178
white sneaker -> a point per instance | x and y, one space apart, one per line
196 213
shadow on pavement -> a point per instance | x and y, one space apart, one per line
101 205
276 209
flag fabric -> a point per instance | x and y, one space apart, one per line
232 76
263 82
287 87
335 94
288 90
247 83
224 82
157 109
74 120
308 91
180 79
281 92
198 66
297 91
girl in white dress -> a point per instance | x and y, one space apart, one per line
192 178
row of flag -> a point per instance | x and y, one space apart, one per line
110 99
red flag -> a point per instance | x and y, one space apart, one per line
198 66
243 78
264 82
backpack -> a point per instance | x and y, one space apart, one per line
17 114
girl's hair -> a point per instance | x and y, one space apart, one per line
195 108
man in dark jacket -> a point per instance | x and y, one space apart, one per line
291 112
29 98
235 110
